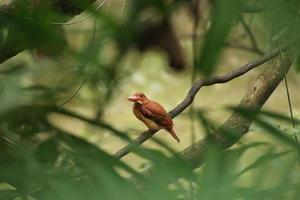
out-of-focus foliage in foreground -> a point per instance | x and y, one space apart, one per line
41 161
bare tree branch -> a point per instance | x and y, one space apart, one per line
250 34
197 86
244 47
255 97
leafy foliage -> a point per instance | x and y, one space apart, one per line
42 161
224 15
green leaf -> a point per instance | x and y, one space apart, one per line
250 112
8 194
47 152
277 133
225 13
262 160
253 114
297 64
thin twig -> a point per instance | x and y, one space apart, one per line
53 22
196 14
286 86
12 47
198 85
287 90
233 44
73 95
244 47
274 30
123 7
250 34
92 42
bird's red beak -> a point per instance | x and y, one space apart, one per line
133 98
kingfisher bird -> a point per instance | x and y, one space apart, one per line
152 114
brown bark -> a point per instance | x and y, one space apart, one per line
255 97
198 85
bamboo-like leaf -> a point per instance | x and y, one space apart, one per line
224 15
262 160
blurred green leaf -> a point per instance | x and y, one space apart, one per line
253 114
13 69
8 194
263 159
267 114
297 63
48 152
39 161
224 15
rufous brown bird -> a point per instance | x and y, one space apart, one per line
152 114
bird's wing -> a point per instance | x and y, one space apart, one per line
157 113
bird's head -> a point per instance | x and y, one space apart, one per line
138 97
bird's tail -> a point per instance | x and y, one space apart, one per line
173 134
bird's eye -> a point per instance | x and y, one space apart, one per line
141 95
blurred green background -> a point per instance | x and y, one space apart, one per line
116 48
